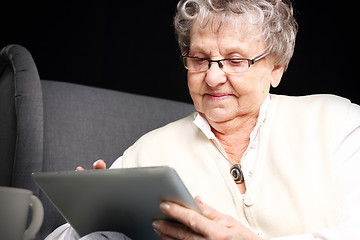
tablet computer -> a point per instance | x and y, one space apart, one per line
122 200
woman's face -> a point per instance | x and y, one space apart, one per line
222 97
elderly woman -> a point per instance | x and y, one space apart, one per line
269 166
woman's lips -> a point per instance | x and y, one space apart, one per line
218 96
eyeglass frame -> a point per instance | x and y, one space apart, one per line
250 61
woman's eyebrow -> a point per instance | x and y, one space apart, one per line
226 51
240 50
196 48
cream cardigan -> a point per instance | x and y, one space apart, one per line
293 189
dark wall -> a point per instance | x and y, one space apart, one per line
130 45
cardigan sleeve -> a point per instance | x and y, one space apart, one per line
347 161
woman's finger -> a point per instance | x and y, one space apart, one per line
213 214
191 219
99 164
171 230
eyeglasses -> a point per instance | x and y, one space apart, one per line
230 65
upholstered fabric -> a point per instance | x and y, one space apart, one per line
56 126
25 92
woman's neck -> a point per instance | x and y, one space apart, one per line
234 135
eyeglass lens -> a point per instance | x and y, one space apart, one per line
229 66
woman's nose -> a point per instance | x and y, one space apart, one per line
215 76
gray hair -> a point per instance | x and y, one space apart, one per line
275 19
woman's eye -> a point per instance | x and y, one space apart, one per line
200 61
236 61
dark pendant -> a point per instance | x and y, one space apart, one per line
237 174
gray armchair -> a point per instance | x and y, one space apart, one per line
56 126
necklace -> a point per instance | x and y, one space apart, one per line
237 174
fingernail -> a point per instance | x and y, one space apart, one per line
157 232
164 206
198 199
97 161
156 225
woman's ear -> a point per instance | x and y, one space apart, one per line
276 75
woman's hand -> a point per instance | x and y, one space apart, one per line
99 164
211 225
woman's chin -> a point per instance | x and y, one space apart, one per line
218 115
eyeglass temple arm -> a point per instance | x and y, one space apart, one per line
255 59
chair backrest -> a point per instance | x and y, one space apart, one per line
59 126
21 111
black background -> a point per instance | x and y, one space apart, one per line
130 45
